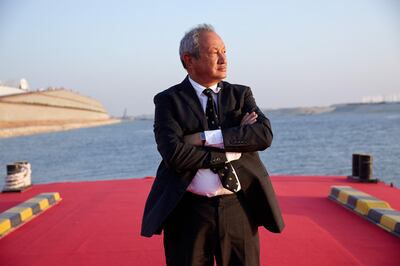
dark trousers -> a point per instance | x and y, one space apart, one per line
202 229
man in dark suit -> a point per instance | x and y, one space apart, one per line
211 192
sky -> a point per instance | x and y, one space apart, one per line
122 53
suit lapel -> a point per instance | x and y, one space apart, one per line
222 104
189 95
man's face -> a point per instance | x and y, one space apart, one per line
211 66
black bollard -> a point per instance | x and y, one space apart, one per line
365 167
355 170
362 168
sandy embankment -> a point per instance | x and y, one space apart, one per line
8 129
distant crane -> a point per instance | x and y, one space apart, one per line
125 115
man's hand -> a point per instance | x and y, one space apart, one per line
249 119
193 139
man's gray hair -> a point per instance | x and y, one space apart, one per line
190 41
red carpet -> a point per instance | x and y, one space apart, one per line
98 223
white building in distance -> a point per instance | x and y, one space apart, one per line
381 98
7 89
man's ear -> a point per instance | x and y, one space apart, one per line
187 58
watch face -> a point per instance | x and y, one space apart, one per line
202 136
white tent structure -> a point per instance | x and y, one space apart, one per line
6 89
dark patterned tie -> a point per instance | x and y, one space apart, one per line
226 172
211 114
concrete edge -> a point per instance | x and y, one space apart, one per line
18 215
370 208
41 129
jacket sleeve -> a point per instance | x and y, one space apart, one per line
249 138
169 138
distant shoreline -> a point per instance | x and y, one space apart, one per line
339 108
317 110
8 130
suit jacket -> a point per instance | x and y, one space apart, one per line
178 112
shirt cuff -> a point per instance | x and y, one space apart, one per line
214 138
232 156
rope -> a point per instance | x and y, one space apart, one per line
20 179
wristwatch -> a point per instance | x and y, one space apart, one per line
203 137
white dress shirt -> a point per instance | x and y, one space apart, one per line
206 182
